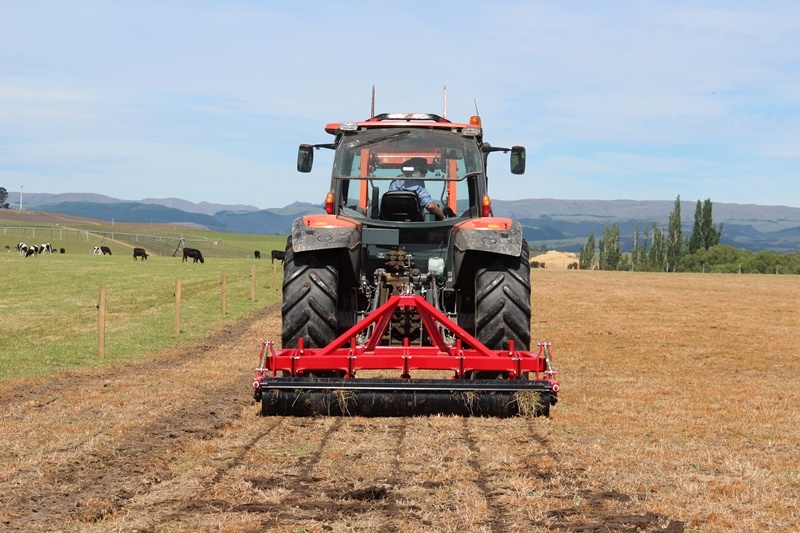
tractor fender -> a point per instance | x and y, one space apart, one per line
327 232
486 234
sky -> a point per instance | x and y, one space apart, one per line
208 100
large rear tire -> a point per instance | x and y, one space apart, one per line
310 295
503 300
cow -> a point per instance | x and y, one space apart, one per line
61 250
140 252
45 248
22 248
257 253
31 252
102 250
194 253
277 254
97 250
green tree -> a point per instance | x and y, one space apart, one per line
610 250
711 234
642 251
657 254
635 245
674 237
697 240
586 256
3 198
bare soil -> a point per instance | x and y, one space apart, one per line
677 414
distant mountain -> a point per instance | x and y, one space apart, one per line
554 224
37 200
204 208
132 212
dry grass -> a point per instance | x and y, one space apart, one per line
677 413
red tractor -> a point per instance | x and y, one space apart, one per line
407 271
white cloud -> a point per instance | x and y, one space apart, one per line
212 92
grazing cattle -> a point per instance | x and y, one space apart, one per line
106 250
277 254
257 253
63 251
45 248
22 248
194 253
139 252
30 252
97 250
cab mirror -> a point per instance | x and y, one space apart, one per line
305 158
518 160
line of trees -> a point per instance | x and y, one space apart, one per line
658 250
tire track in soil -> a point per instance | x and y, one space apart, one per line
303 501
494 522
100 481
196 504
320 502
595 509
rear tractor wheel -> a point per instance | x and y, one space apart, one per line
503 303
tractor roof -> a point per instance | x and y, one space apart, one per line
426 120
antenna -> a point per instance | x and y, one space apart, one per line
444 113
476 107
372 110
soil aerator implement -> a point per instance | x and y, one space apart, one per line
409 276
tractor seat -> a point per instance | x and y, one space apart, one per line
401 206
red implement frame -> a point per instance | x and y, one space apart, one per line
464 356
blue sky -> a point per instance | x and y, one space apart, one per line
207 101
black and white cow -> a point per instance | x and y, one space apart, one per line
139 252
102 250
277 254
194 253
22 248
257 254
31 251
97 250
45 248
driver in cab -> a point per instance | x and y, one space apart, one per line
413 171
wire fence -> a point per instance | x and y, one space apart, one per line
158 244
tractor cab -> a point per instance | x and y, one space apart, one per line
374 154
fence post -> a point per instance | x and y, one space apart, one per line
253 283
101 323
224 290
177 306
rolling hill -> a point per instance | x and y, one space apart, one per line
549 223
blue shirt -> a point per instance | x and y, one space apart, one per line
415 185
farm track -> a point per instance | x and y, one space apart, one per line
175 443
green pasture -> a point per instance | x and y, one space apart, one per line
49 317
157 239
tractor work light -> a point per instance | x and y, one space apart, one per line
348 126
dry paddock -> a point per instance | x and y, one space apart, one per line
678 412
